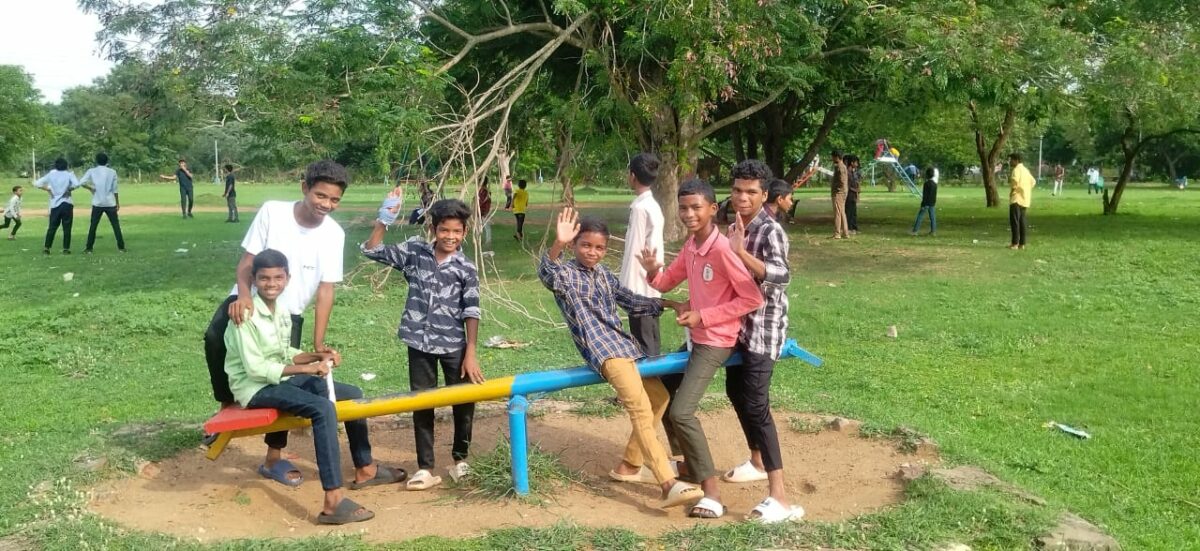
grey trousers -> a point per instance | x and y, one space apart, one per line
685 428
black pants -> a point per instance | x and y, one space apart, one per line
63 215
186 200
520 216
214 349
508 196
645 331
423 375
231 202
852 213
1016 222
15 222
748 387
111 213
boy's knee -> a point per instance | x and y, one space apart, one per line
349 392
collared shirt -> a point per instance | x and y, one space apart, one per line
645 230
1021 183
720 288
840 181
258 350
440 296
588 299
60 183
105 181
764 330
13 210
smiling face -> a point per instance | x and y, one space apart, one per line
448 235
590 248
270 282
747 197
696 212
321 199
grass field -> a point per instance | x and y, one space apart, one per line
1093 326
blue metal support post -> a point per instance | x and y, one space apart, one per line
519 441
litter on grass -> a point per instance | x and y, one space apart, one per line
182 250
68 276
496 341
368 376
1067 429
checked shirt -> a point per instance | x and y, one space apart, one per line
764 330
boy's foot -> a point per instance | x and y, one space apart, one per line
66 251
46 251
346 512
771 511
87 251
1013 247
459 470
422 480
185 217
190 215
746 472
12 237
123 250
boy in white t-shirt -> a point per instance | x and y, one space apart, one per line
12 212
313 243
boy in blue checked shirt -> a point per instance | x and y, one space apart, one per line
588 295
440 323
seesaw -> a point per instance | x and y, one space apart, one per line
235 422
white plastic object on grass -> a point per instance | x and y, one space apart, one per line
368 376
67 277
329 381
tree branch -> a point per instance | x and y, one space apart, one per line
510 29
710 129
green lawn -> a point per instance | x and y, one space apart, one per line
1092 326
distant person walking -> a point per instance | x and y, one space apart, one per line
102 182
59 183
1020 183
508 193
184 177
12 212
854 185
1059 174
928 204
838 187
230 194
520 203
484 202
1093 180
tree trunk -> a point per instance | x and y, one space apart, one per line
751 144
670 137
739 145
773 138
818 141
988 155
1130 147
562 172
1172 173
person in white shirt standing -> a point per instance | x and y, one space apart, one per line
102 182
59 183
12 212
645 231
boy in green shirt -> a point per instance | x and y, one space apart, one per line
266 372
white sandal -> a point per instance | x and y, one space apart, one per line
746 472
643 476
711 505
422 480
681 494
771 511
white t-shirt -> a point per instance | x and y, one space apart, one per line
645 230
314 254
105 181
60 183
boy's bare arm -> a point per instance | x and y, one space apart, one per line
470 364
245 302
322 310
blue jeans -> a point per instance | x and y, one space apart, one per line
305 396
932 219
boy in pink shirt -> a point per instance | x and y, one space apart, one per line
720 292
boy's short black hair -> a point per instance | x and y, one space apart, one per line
837 154
696 186
850 159
182 160
644 167
102 158
60 164
592 224
448 209
522 183
229 168
326 171
1014 156
929 173
15 188
753 169
776 189
269 258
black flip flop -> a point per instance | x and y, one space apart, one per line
383 475
345 513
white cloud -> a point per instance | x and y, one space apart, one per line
54 41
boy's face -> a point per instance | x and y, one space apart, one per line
590 248
270 282
748 196
448 235
183 165
321 199
784 202
19 192
696 212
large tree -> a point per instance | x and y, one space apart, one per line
23 117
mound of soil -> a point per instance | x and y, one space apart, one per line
833 474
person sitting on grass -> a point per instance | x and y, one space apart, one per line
588 294
720 292
440 323
265 372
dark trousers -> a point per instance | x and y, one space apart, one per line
186 200
306 396
1016 222
423 375
520 216
508 195
63 215
231 202
214 349
111 213
645 331
15 222
851 213
748 386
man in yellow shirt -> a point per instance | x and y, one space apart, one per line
520 202
1020 184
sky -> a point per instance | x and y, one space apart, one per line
54 41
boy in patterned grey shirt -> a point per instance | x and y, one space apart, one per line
440 324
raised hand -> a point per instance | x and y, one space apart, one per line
390 209
649 260
737 236
568 226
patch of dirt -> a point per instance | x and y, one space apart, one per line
834 475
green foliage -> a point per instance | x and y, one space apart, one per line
24 117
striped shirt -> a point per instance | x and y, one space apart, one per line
764 330
441 297
588 299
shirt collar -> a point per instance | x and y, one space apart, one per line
703 248
260 307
